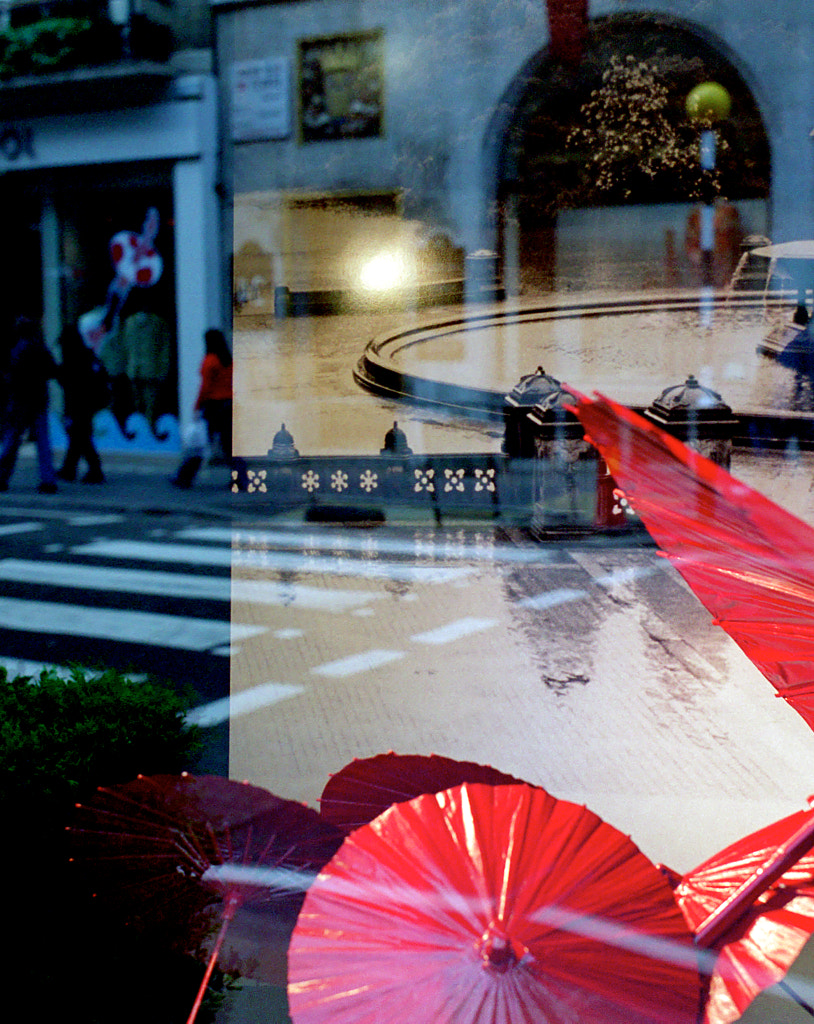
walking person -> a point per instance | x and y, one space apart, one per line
86 386
214 403
30 367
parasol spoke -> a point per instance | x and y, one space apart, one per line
450 906
202 827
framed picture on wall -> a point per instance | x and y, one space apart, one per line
341 87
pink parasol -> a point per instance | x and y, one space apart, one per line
752 906
750 562
366 787
485 904
186 847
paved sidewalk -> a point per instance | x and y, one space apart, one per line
134 482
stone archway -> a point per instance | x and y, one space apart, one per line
543 185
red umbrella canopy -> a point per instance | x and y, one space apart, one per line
169 849
491 905
366 787
749 561
753 949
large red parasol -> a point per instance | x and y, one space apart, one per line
366 787
752 906
186 848
485 904
750 562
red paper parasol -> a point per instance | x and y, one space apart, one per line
750 562
366 787
486 904
177 847
752 905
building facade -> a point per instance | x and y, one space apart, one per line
108 152
427 121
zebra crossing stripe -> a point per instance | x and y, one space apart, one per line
9 529
182 585
136 627
242 702
281 561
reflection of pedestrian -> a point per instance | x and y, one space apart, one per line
798 354
214 403
728 235
87 390
30 367
145 341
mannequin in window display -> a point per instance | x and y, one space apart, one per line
144 342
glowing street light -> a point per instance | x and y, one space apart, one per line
707 103
383 272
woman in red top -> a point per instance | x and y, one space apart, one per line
214 403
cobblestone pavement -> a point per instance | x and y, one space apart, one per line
584 668
589 669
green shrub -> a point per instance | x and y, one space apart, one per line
50 44
59 740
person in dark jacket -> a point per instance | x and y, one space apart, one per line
86 387
30 367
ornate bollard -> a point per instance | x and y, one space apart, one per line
699 417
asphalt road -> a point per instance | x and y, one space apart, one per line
132 591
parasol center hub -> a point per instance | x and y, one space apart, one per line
498 952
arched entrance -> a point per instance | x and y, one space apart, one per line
598 171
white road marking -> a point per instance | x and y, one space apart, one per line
551 598
279 561
212 588
300 595
94 519
149 551
453 631
175 631
262 696
357 663
136 581
7 529
626 575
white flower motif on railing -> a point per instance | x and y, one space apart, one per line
310 481
485 480
339 480
455 479
256 481
424 480
621 503
368 481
